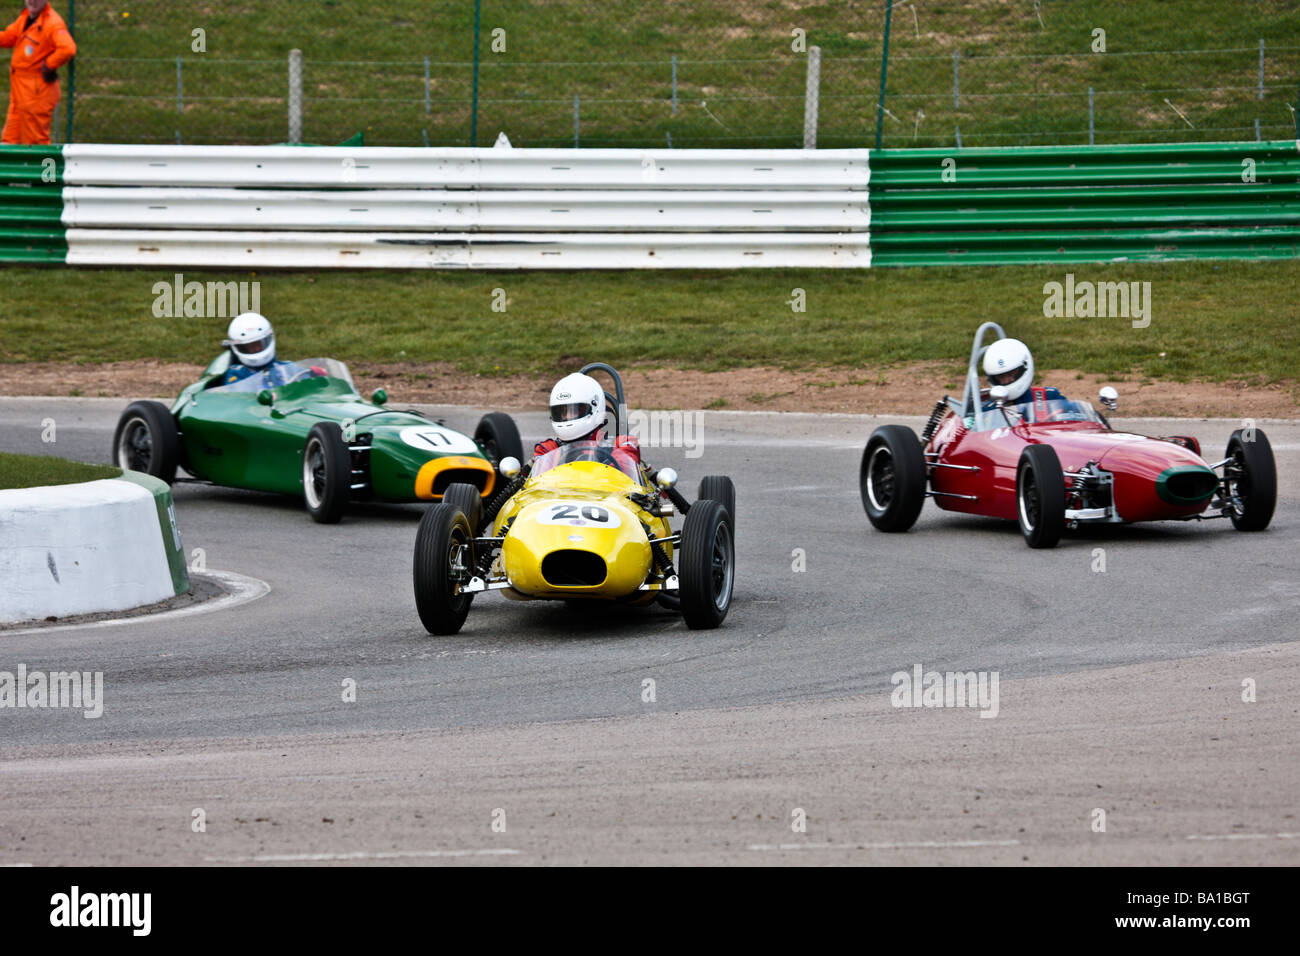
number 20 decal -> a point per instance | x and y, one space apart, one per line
578 515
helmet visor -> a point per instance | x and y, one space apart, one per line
570 411
246 349
1006 378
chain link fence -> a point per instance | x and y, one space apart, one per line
679 73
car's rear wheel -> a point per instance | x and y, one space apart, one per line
892 478
499 436
1040 496
720 488
326 473
465 497
146 439
1251 476
444 555
707 565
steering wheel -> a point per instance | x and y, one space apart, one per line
312 371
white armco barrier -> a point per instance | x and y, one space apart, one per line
97 546
463 167
341 250
331 207
479 210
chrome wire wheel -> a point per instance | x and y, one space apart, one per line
723 566
135 447
313 473
881 479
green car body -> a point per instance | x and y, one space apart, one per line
247 435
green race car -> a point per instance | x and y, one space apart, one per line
302 429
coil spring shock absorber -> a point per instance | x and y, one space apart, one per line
485 559
940 407
657 549
505 494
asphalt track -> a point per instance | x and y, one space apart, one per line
1120 690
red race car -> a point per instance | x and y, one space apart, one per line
1051 464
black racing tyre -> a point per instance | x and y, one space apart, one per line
499 436
326 473
1252 479
720 488
466 497
892 478
442 548
1040 496
146 439
706 565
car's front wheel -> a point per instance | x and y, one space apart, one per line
707 565
499 436
720 488
326 473
444 557
1251 475
465 496
146 439
1040 496
892 478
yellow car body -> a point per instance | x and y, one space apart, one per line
573 532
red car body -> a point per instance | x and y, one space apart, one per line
1050 464
1153 479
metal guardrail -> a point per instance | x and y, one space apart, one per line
587 250
340 167
1086 204
31 204
499 208
477 210
504 208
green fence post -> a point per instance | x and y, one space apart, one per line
72 69
884 66
473 110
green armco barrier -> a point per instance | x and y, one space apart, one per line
1162 202
26 164
31 204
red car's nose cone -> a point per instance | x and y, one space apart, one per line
1158 479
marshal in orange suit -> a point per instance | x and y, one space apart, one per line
41 44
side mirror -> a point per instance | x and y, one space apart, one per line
1109 397
379 397
509 467
266 397
666 478
999 394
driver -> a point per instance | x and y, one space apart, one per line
1008 362
578 415
251 341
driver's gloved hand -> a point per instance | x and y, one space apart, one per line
48 75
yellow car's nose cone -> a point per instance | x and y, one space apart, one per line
574 547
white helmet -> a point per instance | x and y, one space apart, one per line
252 340
1007 362
577 406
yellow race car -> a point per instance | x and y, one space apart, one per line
584 521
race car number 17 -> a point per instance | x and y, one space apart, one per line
579 516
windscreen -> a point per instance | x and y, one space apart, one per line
603 452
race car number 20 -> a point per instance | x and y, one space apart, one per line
579 516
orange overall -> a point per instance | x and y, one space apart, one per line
46 43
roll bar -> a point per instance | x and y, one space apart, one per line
970 400
617 399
